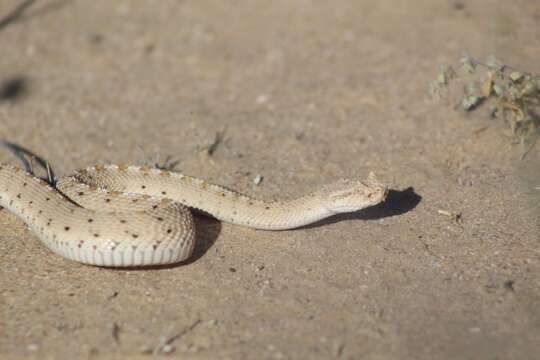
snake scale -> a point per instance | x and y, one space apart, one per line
124 216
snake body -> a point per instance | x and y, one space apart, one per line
122 216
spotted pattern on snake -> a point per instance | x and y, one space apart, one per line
123 216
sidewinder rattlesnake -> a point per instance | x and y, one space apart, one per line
123 216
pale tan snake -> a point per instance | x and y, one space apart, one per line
123 216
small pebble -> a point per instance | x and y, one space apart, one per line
167 349
261 99
258 179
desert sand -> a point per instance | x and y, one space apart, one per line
298 94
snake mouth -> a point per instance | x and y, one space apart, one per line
379 195
384 194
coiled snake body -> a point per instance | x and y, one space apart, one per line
122 216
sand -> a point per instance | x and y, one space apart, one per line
302 93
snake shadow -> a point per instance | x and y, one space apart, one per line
208 230
397 202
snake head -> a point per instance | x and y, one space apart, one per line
348 195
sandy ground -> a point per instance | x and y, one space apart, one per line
307 92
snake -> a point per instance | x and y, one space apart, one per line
137 216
